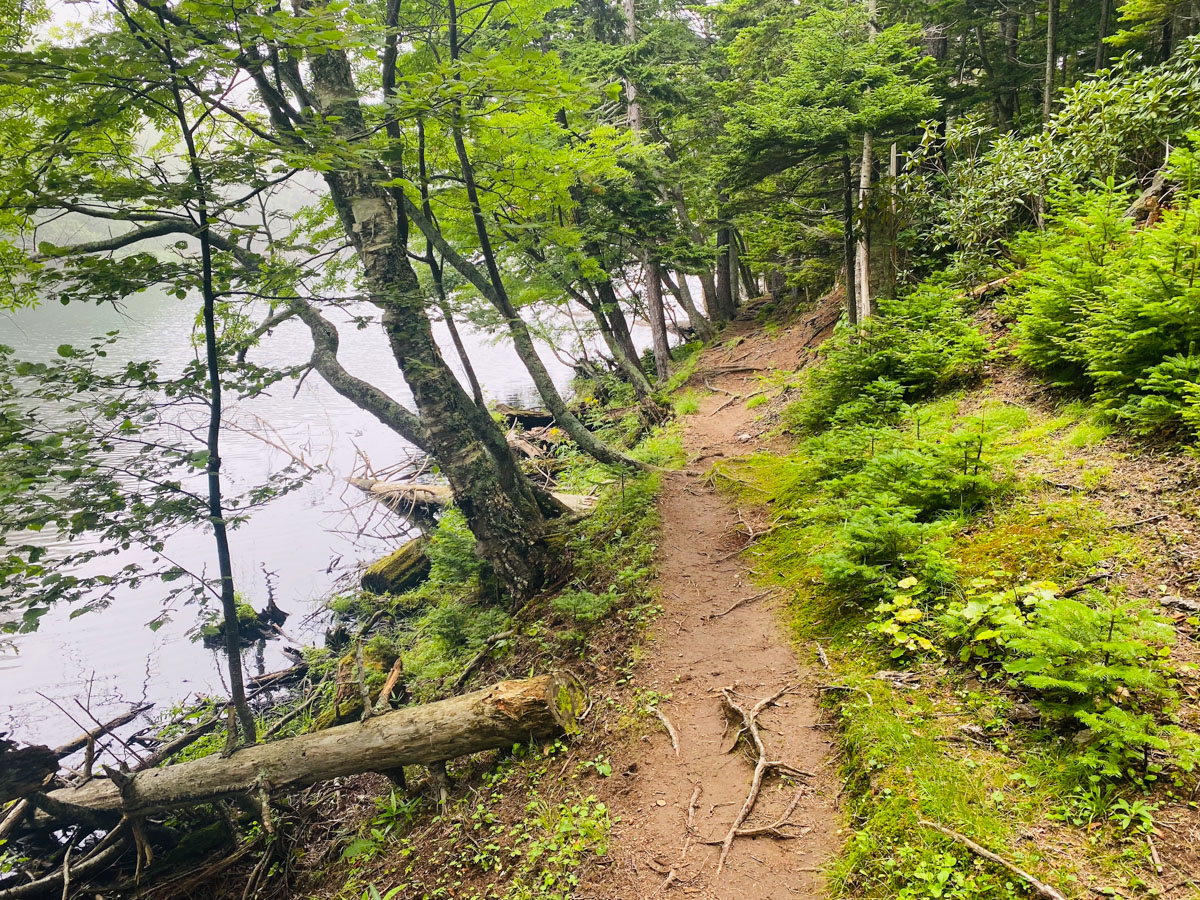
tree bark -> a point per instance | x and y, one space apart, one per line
848 238
724 291
734 263
508 713
865 297
1051 59
863 247
658 321
1102 33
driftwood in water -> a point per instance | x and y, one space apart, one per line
399 571
507 713
399 496
526 418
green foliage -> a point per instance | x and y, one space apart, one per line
971 189
585 607
451 552
1116 310
916 346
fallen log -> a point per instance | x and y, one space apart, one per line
526 418
24 769
507 713
436 495
277 679
399 571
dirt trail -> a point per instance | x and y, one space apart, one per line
698 649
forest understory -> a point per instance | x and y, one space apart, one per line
882 583
894 738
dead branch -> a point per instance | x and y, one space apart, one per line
478 658
105 854
1040 888
1147 521
123 719
662 717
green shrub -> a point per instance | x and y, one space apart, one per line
452 550
583 606
1117 310
880 545
915 346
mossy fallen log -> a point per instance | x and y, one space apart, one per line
399 571
496 717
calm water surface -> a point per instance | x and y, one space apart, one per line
306 538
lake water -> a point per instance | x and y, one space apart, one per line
307 538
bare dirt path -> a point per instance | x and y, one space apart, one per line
700 647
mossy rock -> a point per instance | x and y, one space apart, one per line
400 571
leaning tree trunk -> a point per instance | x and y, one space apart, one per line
683 291
500 505
607 316
508 713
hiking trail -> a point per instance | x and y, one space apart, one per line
721 632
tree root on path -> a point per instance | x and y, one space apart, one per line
763 765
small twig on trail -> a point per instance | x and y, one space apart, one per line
742 602
1062 486
822 657
662 717
762 765
1148 521
732 400
1040 888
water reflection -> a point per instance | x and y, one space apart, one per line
306 538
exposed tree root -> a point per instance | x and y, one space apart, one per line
742 602
763 765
